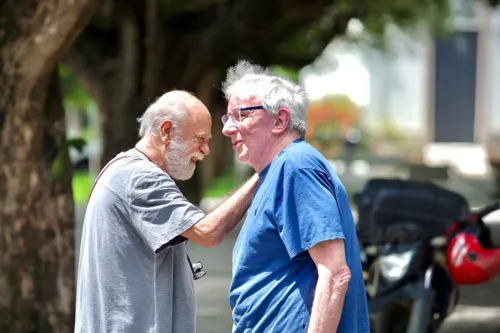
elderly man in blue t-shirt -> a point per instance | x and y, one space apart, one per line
296 263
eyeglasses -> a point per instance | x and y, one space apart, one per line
239 114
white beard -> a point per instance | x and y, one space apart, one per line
179 165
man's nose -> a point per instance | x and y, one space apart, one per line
229 128
205 149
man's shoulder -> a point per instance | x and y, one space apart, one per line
133 166
128 171
304 157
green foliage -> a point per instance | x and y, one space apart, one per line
297 45
412 16
222 185
388 130
59 165
74 95
82 185
88 134
176 6
291 74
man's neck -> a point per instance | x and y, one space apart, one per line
147 147
276 147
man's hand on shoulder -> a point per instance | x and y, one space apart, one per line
215 226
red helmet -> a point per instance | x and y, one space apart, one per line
469 262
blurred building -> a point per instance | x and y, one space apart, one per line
441 91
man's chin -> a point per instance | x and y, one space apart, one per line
242 157
184 176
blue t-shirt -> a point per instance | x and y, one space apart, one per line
298 203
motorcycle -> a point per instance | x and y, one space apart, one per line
416 240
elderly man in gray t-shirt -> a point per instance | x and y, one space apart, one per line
134 274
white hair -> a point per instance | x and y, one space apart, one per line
273 91
169 106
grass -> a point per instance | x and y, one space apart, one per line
222 185
81 187
218 188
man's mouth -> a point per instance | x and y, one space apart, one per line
237 144
194 160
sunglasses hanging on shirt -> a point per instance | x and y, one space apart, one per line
196 269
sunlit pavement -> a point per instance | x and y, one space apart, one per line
469 319
213 312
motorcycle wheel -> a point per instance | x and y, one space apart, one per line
394 319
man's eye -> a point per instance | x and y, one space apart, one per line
245 113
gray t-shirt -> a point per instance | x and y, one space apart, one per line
133 273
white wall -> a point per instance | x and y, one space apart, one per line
391 83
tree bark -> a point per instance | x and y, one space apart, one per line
36 207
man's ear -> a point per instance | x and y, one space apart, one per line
165 130
282 121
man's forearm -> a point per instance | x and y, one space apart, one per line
224 218
328 302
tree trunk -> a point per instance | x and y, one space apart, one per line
118 126
37 214
36 208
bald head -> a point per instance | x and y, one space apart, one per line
175 131
180 107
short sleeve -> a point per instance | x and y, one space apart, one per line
159 211
308 212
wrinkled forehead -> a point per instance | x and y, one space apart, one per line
198 118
